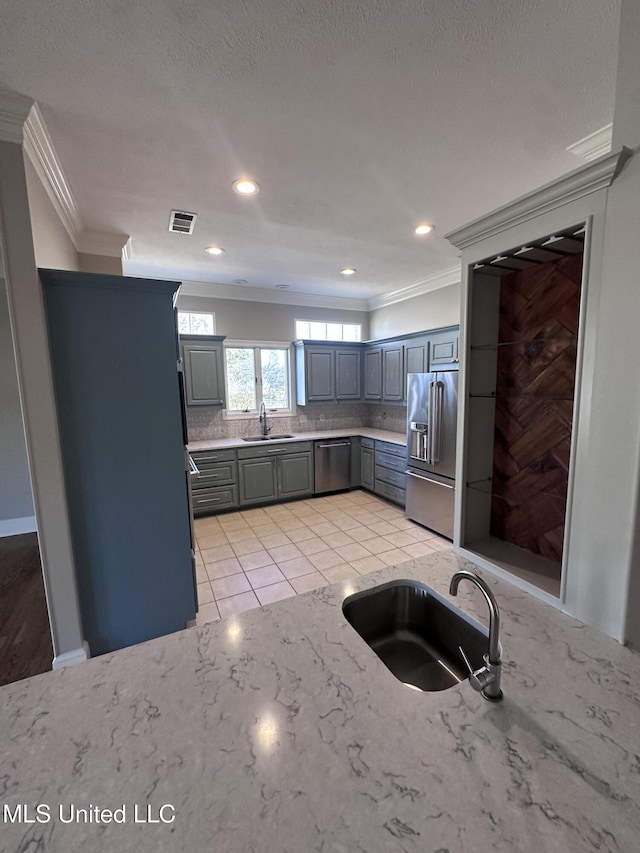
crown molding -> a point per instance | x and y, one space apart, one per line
259 294
127 250
40 150
581 182
102 243
14 109
453 275
595 145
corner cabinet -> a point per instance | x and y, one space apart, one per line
203 359
326 372
113 345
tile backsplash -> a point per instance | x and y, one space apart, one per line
207 422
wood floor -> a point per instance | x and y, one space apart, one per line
25 640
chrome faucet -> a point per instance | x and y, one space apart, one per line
485 680
262 417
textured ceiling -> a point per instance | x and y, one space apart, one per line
359 118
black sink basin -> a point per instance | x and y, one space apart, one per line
417 634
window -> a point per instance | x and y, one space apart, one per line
256 373
310 330
195 323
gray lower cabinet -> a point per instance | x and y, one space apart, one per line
215 486
275 472
203 369
389 471
367 446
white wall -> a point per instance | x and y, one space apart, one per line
51 243
429 311
265 321
16 502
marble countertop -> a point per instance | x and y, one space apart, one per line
366 432
280 731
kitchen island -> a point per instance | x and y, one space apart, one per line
280 731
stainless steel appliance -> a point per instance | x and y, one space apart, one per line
332 465
432 405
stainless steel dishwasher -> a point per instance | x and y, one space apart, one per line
332 465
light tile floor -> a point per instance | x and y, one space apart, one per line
257 556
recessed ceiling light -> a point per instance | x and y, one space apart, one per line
214 250
348 271
246 186
424 228
240 281
282 287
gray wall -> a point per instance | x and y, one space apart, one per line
266 321
429 311
15 485
99 263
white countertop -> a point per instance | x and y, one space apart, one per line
280 731
366 432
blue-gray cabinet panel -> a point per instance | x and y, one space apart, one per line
373 373
204 374
348 372
393 372
295 475
257 480
416 356
113 358
208 501
444 350
320 369
366 467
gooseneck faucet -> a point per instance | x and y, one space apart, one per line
485 680
262 417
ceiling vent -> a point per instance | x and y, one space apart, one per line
181 222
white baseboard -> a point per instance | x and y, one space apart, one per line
70 658
15 526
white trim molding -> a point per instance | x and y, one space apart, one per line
453 275
102 243
16 526
14 109
39 148
73 657
595 145
575 185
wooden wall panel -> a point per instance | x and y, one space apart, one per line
539 312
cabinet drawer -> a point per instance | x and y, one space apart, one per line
395 478
270 449
392 493
202 458
218 474
393 449
398 463
212 500
367 442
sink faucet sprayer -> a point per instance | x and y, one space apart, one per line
262 417
485 680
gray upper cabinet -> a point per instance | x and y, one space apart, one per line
320 367
326 372
416 356
203 369
393 372
348 373
373 373
444 349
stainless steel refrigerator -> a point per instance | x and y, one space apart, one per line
432 406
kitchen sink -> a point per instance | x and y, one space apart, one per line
417 634
266 437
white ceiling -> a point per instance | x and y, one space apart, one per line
359 118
